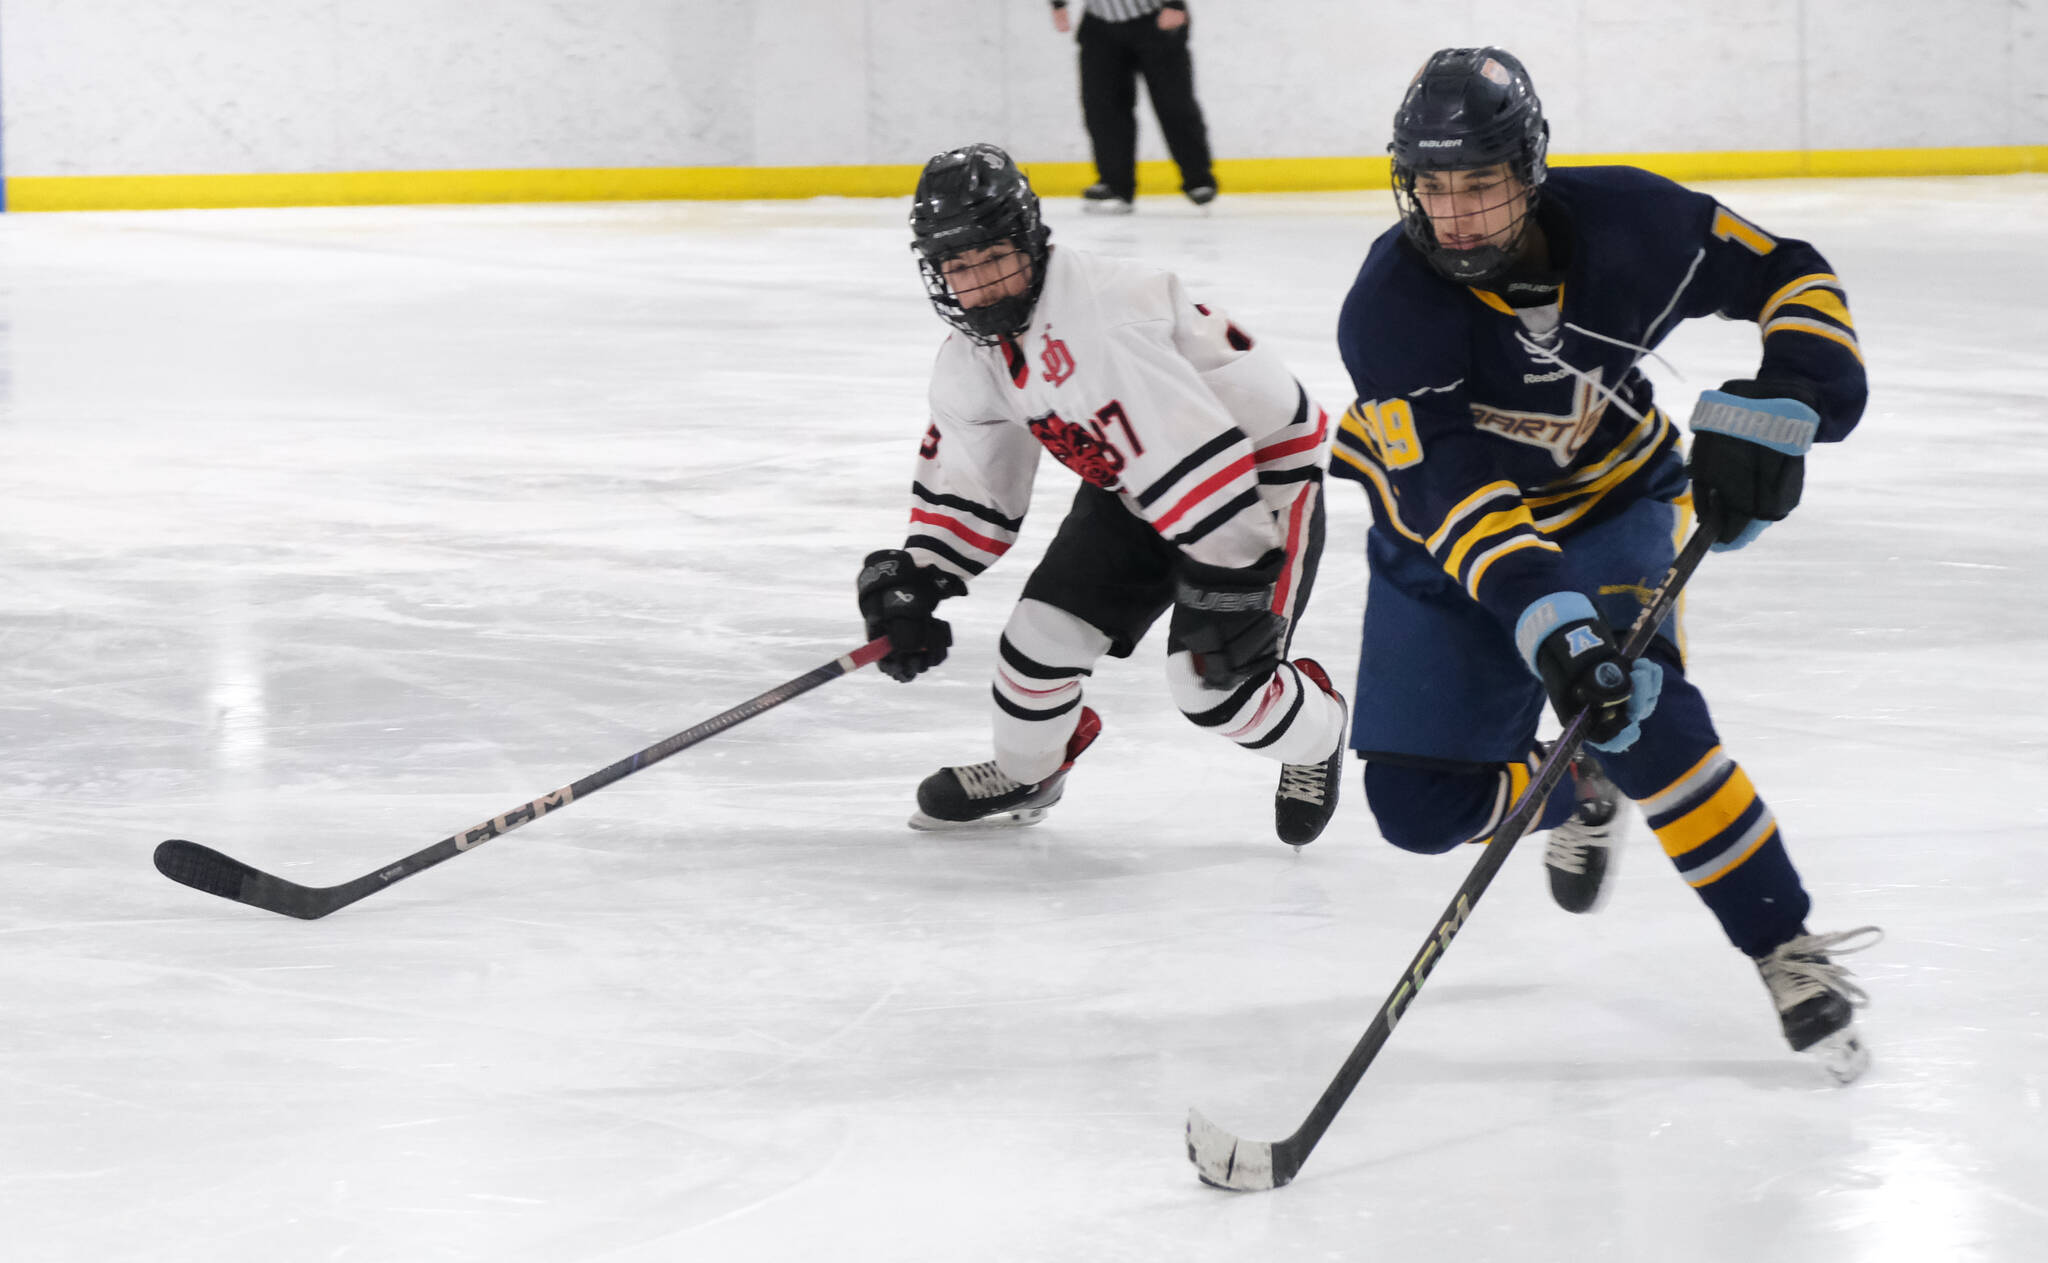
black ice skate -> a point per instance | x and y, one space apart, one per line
1580 853
1816 1001
979 796
1307 796
1100 199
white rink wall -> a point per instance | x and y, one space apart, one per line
154 87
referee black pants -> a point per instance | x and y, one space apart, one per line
1113 55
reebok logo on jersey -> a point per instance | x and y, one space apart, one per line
1537 379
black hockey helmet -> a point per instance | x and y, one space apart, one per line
974 198
1468 108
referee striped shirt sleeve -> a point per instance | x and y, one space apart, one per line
1123 10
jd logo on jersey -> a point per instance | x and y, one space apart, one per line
1055 361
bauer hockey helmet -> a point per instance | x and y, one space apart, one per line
973 198
1468 108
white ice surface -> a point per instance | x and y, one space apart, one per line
325 534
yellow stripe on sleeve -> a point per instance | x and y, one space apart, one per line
1357 460
1515 545
1378 479
1792 324
1459 510
1826 302
1809 281
1499 522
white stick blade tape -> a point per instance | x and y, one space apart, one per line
1224 1160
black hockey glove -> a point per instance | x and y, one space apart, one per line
1225 619
1749 442
897 597
1572 650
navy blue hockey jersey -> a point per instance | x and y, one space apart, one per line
1487 434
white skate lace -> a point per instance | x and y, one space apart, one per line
1303 782
1564 854
1801 969
985 780
1570 843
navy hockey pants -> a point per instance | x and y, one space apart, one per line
1447 715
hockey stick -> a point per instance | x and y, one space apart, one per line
203 868
1225 1161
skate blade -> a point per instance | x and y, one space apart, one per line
1843 1056
1000 820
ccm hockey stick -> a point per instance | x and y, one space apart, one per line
1224 1160
203 868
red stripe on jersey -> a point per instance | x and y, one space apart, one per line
1013 359
1299 512
1307 442
979 541
1228 474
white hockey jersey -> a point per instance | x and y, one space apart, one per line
1199 429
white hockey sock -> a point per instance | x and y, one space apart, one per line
1287 718
1044 656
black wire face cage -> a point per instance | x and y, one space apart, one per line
974 200
1469 109
1485 263
987 323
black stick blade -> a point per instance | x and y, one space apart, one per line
203 868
